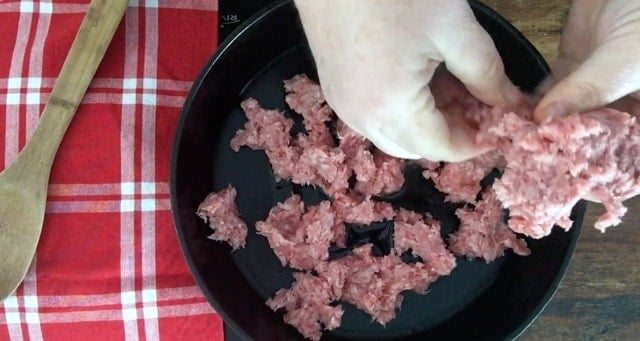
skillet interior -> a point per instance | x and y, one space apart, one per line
483 301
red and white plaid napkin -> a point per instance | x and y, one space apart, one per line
108 266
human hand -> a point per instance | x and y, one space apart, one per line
375 60
599 60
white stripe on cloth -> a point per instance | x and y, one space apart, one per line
14 85
166 296
12 135
100 315
12 123
33 107
27 6
30 303
129 314
125 189
12 318
148 150
33 100
127 206
102 98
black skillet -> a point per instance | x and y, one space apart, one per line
477 301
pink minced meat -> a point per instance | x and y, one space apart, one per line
327 166
387 175
376 172
312 157
461 180
422 236
375 284
220 211
483 233
300 238
550 167
266 130
354 208
351 143
316 164
305 97
307 304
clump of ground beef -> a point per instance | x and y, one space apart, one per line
220 211
312 157
461 180
308 304
375 284
483 233
300 237
355 208
550 167
422 236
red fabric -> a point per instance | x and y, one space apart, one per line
108 265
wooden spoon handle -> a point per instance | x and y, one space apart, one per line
88 48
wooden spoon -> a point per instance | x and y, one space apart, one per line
23 185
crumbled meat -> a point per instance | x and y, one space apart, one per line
375 284
355 208
266 130
550 167
422 236
351 142
376 172
307 304
220 211
327 167
461 180
298 238
305 97
386 177
285 162
483 233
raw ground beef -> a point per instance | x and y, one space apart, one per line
312 157
422 236
550 167
375 284
546 169
461 180
307 304
386 175
300 238
483 233
266 130
220 211
354 208
305 97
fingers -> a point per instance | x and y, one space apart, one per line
606 76
470 54
425 133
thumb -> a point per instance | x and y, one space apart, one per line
603 78
472 57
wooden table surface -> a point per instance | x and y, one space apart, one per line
599 298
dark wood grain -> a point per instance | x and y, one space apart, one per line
600 297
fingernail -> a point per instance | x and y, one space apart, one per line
512 94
